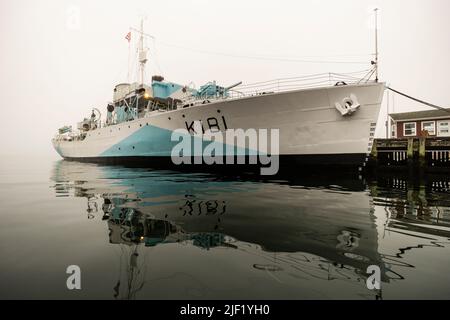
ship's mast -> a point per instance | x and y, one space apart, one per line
376 44
142 53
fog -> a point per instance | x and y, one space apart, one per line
61 58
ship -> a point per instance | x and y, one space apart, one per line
325 119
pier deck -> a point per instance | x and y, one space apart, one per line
424 153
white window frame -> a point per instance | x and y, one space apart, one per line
438 129
404 129
393 130
434 126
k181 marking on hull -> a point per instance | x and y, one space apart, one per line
214 125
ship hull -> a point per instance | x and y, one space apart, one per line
311 129
287 163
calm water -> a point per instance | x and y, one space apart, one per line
143 234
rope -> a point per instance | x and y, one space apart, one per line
418 100
365 55
257 57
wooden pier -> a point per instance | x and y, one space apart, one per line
429 154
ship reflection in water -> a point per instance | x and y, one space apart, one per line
204 236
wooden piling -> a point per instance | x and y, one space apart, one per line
410 151
422 151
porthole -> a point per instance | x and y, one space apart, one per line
170 118
140 125
218 111
133 147
146 124
183 116
119 148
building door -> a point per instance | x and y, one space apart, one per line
443 128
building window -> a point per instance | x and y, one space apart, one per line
393 130
444 128
409 129
429 126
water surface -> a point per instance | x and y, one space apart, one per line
154 234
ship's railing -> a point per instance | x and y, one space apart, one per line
288 84
296 83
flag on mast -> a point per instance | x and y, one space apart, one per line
128 36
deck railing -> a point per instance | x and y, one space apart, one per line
287 84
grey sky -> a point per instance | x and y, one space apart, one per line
52 72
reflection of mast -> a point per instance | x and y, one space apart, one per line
132 271
133 283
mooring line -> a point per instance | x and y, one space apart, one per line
418 100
